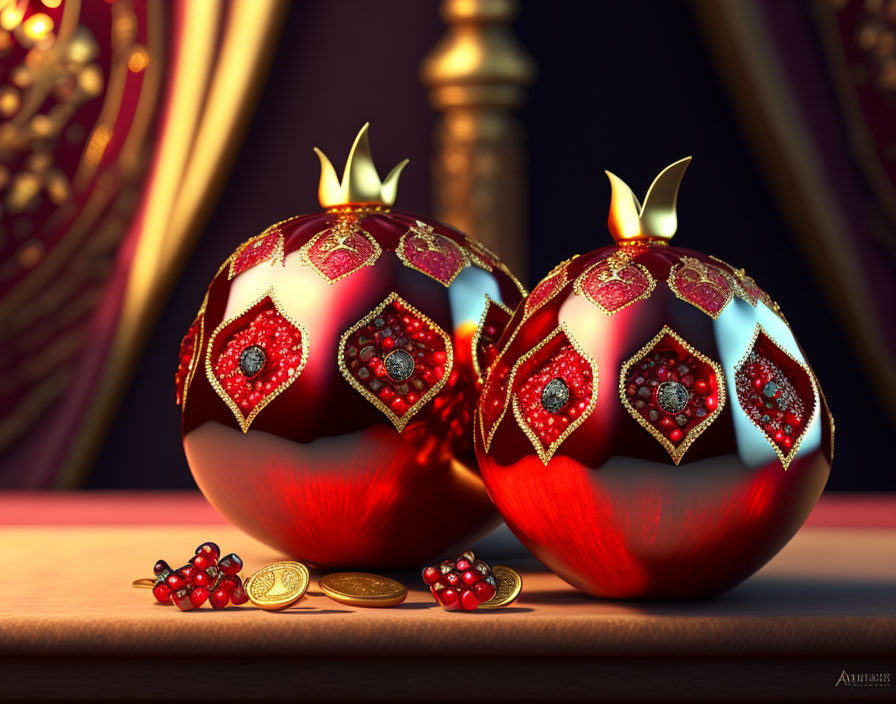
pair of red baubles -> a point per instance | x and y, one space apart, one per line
366 387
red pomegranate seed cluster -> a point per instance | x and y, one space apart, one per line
203 578
187 347
461 584
281 342
575 372
395 328
770 400
671 363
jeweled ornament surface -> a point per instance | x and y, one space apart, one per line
694 441
328 382
555 395
672 397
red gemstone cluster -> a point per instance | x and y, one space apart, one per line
259 358
548 411
187 348
203 578
770 400
396 357
461 584
672 389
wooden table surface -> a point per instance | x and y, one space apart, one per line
71 624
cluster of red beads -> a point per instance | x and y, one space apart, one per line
461 584
187 347
770 400
203 578
574 370
282 344
396 329
672 363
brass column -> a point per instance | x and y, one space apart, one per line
477 74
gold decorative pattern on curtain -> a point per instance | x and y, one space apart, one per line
222 52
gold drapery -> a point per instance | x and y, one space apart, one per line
222 50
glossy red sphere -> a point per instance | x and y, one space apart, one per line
651 428
328 385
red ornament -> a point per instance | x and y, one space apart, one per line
329 381
462 584
649 426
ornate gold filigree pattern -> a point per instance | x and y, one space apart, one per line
430 253
345 245
399 421
266 247
197 350
547 288
676 452
703 285
246 421
546 453
490 303
615 283
786 458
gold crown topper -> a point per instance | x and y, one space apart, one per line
655 220
361 185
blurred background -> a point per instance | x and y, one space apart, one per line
142 141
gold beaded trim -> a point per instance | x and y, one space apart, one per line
359 209
559 270
342 230
825 401
737 277
676 452
197 349
428 235
489 302
398 421
702 269
546 453
788 458
618 262
277 257
245 422
488 437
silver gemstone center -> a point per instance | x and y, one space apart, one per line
399 365
252 360
672 396
555 395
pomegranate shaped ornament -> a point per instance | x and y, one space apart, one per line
329 380
651 428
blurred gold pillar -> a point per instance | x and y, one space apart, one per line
477 74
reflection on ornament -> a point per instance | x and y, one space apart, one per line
334 418
578 480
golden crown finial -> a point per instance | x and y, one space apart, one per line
656 219
361 183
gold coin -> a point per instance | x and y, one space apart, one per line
509 583
278 586
362 589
